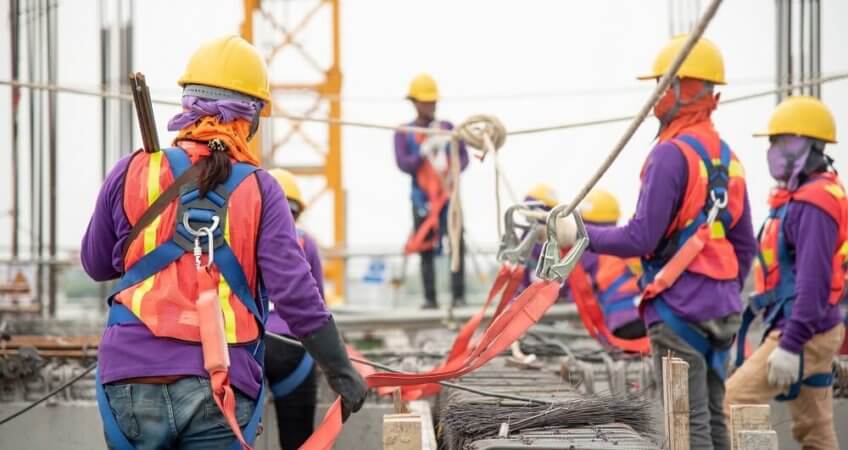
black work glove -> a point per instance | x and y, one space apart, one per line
326 347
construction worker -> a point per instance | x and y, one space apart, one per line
426 158
693 220
290 370
194 234
613 280
799 276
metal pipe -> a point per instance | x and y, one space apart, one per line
815 46
802 50
53 169
31 77
14 41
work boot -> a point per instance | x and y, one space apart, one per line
459 302
430 304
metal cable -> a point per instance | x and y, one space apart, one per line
516 132
297 343
50 394
457 386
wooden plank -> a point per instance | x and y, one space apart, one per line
758 440
676 402
402 432
400 406
747 418
428 431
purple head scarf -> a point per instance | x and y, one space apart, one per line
787 157
227 111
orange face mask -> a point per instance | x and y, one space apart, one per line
233 134
680 108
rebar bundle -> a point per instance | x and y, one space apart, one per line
467 418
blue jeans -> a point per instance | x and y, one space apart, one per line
179 415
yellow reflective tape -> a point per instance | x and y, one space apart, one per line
717 230
702 168
835 190
736 169
844 249
139 293
768 257
224 293
154 170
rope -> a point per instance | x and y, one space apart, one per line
50 394
517 132
659 90
486 134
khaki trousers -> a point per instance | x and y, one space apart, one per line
812 411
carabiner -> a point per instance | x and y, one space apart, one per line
718 205
551 266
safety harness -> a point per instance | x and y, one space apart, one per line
198 231
686 244
776 304
429 193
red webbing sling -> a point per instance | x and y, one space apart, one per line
593 317
506 328
431 183
506 282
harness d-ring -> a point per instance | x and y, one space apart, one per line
718 205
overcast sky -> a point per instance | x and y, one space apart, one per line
530 63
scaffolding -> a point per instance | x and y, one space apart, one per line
278 28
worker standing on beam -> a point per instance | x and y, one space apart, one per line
613 279
799 276
180 364
692 228
426 157
291 370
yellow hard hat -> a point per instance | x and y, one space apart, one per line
230 63
543 193
703 63
802 116
423 88
600 207
289 184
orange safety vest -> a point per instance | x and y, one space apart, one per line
614 278
164 302
713 170
824 192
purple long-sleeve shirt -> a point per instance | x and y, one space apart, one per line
693 297
813 234
131 350
408 159
275 323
